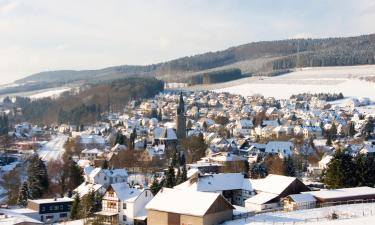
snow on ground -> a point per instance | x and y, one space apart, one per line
50 93
314 80
54 149
348 215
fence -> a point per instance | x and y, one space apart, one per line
334 214
294 221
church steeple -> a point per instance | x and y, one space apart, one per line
181 105
181 119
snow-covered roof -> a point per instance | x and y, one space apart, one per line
217 182
261 198
342 193
51 200
302 198
85 188
272 183
164 133
183 201
124 192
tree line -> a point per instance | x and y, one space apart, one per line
345 170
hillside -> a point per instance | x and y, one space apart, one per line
85 106
258 58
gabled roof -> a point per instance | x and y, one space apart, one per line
185 202
217 182
302 198
124 192
273 183
261 198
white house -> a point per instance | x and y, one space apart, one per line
122 204
233 186
282 148
106 177
243 127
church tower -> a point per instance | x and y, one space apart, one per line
181 119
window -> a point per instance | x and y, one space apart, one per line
111 194
49 217
111 205
51 208
43 209
124 217
61 207
146 193
63 215
123 205
56 207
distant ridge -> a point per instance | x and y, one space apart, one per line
257 58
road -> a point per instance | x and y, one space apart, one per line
54 149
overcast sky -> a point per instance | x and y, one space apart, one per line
40 35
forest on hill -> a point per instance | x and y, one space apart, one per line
257 58
90 102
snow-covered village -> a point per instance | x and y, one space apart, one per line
196 158
171 112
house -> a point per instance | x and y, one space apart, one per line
243 127
85 188
106 177
282 148
91 141
233 186
312 132
152 152
271 190
165 136
205 167
173 206
122 204
91 154
299 201
49 210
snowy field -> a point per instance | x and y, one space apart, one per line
54 149
50 93
348 215
313 80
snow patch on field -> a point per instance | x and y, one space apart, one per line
348 215
54 149
51 93
313 80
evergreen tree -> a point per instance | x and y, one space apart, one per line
351 131
184 174
154 113
23 195
37 177
329 140
289 167
340 172
155 186
178 176
170 179
333 131
160 115
90 204
182 159
105 164
174 159
258 170
76 208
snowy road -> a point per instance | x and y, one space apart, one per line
54 149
